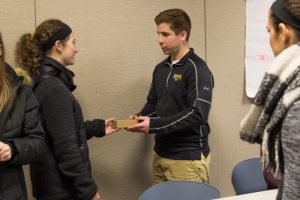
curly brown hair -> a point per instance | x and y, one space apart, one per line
28 52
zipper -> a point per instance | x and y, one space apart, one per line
167 83
82 147
201 135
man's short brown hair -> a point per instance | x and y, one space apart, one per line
177 19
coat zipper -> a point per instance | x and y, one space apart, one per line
167 83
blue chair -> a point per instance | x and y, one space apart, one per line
247 177
180 190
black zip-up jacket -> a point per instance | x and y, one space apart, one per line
65 171
178 103
20 127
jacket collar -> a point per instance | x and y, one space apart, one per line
12 76
51 67
183 60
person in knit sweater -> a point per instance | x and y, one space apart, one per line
274 118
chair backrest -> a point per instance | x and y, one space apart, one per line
247 177
180 190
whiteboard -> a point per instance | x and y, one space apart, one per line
258 53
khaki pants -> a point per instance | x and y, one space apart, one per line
193 170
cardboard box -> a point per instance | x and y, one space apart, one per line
124 123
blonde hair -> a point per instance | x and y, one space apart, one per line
6 91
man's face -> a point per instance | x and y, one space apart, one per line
169 42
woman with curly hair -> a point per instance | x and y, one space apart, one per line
66 165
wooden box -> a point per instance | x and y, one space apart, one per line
124 123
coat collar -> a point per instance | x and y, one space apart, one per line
14 79
183 60
51 67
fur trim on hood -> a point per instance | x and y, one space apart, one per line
23 73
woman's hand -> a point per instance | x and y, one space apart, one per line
96 196
5 152
108 126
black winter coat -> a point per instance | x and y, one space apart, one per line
65 171
21 129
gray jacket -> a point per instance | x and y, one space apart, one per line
290 139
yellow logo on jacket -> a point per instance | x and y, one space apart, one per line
177 77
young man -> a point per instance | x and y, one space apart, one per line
178 105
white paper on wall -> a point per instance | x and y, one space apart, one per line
258 55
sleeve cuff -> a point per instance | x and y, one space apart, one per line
152 125
102 127
13 150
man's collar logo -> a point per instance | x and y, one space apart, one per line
177 77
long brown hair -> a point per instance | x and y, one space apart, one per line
29 53
6 91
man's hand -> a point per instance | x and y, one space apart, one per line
133 116
5 152
142 127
